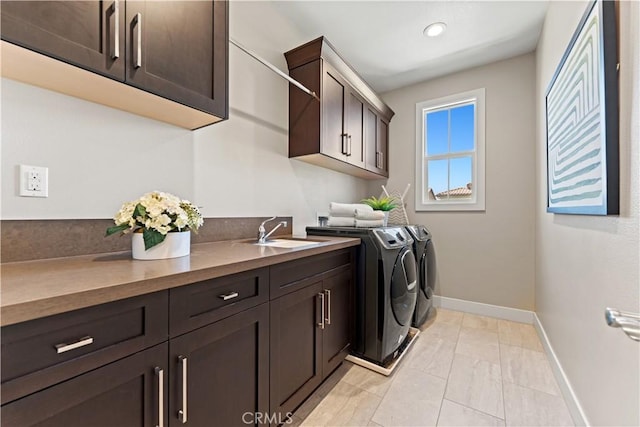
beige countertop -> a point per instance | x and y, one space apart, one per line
33 289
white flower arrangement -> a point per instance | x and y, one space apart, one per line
155 214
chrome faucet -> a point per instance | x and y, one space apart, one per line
262 232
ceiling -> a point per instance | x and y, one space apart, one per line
383 40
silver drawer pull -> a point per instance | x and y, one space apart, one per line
182 413
160 373
327 319
61 348
227 297
116 31
138 44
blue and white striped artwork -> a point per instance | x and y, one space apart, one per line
576 123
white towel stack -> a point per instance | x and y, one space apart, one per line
365 219
354 215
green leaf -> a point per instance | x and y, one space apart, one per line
116 229
151 238
139 211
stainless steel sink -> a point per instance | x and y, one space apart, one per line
288 243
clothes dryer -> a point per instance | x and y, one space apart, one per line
386 289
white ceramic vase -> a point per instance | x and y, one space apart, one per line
174 245
386 218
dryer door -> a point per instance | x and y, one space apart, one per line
430 265
404 286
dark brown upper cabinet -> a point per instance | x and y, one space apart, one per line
89 34
376 136
176 52
347 129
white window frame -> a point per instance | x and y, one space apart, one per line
477 203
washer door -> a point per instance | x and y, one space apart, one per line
403 287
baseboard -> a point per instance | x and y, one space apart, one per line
578 415
505 313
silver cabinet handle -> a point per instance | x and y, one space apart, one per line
229 296
138 43
381 160
629 322
115 53
160 374
62 347
328 318
377 159
182 413
321 323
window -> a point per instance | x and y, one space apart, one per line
450 153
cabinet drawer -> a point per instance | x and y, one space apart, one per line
123 393
39 353
205 302
293 275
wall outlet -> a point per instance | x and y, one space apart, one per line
34 181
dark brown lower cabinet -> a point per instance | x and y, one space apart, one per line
124 393
247 362
310 336
337 334
220 373
296 344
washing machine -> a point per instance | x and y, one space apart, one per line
425 254
386 289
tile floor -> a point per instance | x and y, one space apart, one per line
463 370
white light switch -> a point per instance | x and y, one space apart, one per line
34 181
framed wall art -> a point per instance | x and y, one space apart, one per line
582 119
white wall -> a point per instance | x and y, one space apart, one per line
482 256
584 263
241 165
99 157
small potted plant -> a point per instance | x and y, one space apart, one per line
384 204
160 224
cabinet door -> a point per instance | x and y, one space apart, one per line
123 393
376 135
178 50
371 140
355 134
296 346
383 146
89 34
337 334
334 137
221 372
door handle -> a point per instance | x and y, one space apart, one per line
629 322
137 44
160 374
343 149
321 322
115 52
182 413
328 318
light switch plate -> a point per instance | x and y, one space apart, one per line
34 181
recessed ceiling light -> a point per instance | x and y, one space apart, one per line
435 29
